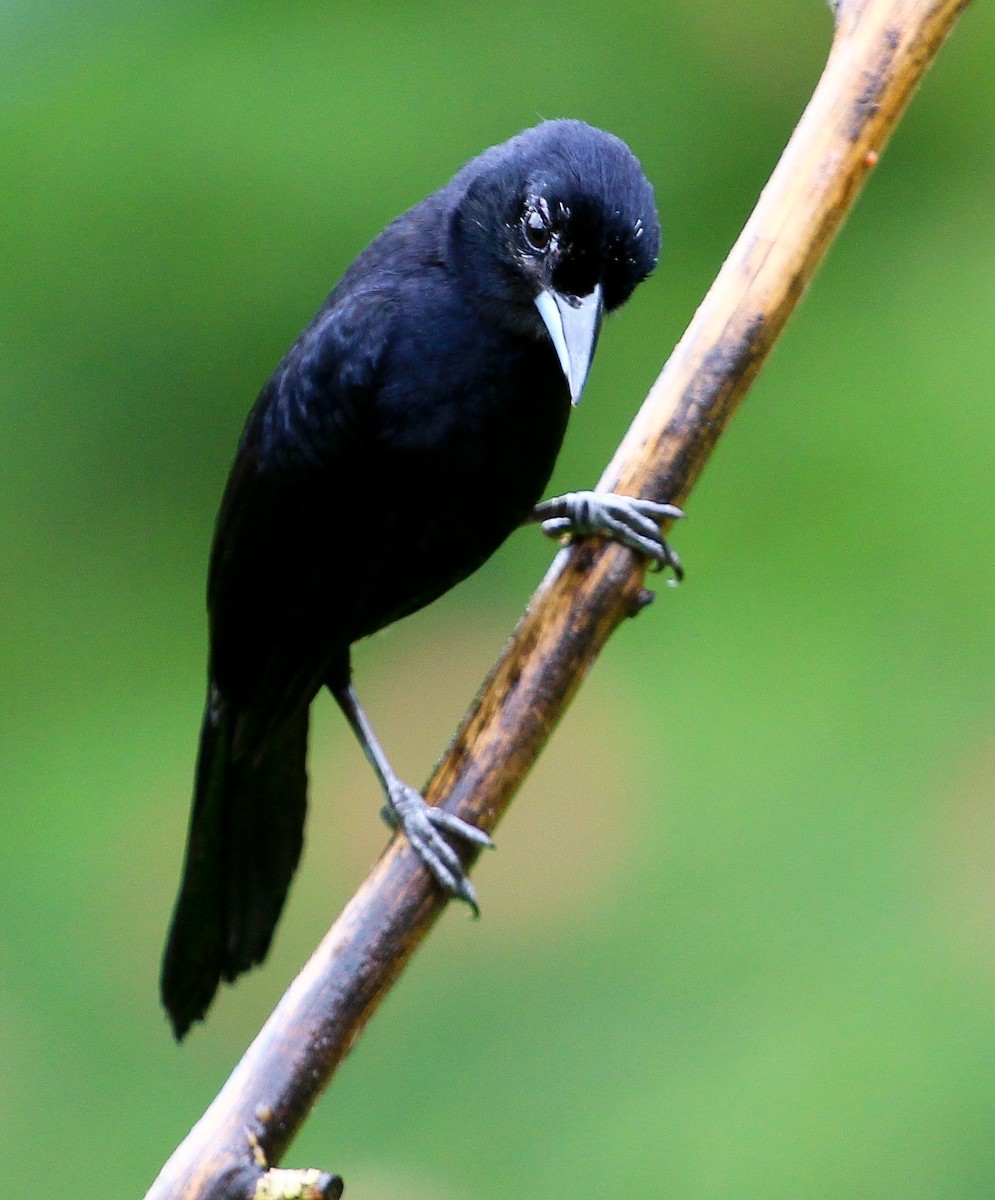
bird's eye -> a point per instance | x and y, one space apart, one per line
536 230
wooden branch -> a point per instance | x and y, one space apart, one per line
880 51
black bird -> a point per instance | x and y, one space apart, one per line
411 427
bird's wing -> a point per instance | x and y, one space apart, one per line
276 596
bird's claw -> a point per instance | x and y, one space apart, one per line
633 521
423 825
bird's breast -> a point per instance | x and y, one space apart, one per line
464 455
492 424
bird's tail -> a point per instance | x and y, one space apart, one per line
246 833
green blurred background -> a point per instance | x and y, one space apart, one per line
739 939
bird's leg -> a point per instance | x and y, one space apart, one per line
423 825
627 519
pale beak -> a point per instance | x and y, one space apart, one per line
573 323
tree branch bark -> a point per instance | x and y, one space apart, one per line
880 51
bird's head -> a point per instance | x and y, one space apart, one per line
552 229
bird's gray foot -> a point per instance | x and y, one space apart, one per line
423 825
633 522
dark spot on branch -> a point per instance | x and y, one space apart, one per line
640 600
725 364
866 105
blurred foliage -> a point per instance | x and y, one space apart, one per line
738 939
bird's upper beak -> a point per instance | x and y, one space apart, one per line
573 323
